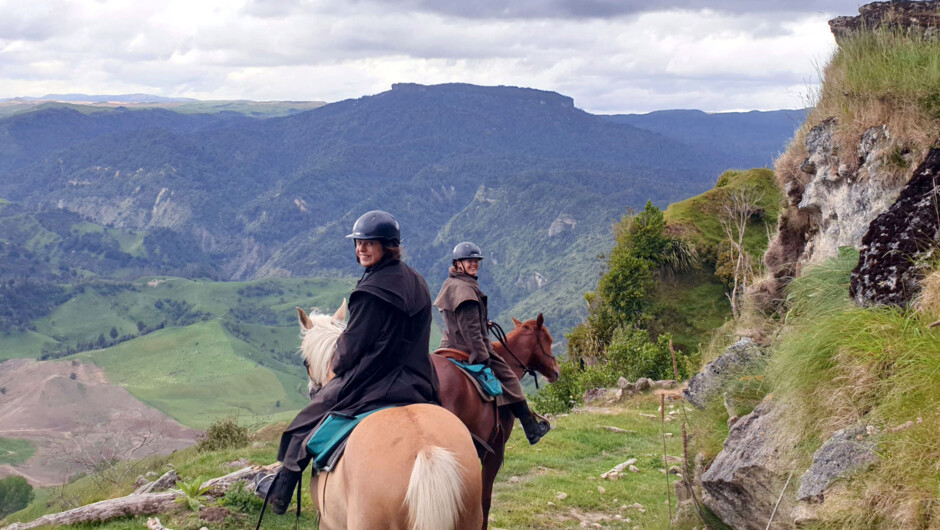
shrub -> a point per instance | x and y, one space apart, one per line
15 494
561 395
631 354
241 498
224 433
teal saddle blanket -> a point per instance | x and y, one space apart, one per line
328 440
483 375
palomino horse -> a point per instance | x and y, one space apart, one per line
530 349
412 467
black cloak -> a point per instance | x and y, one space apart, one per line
381 358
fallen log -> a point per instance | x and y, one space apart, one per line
139 504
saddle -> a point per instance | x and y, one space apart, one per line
327 442
482 378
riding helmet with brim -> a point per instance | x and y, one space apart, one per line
467 250
377 225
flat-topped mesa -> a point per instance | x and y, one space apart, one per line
897 14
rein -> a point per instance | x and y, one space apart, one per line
501 337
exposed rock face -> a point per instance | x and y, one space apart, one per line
843 202
561 223
714 374
891 261
897 14
831 205
745 479
848 450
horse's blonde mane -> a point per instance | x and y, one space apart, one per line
317 346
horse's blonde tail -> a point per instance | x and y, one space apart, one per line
435 490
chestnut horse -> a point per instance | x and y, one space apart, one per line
410 467
530 345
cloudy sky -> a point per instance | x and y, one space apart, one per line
611 56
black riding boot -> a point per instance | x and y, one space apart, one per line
282 490
534 429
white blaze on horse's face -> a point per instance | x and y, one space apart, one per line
320 333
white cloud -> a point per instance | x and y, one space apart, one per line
714 59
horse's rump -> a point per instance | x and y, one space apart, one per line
405 467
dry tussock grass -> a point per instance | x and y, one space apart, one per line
929 300
911 131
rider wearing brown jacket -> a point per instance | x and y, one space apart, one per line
464 310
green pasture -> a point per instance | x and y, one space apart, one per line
93 309
23 344
13 451
198 373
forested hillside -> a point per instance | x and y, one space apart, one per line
227 196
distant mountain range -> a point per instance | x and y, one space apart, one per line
534 180
123 98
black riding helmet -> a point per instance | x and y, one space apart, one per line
466 250
377 225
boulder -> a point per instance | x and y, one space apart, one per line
643 384
745 479
848 450
713 376
899 241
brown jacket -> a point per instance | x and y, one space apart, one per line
463 309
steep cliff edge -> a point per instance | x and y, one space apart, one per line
839 428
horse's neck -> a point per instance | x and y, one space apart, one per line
515 364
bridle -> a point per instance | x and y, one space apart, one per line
501 337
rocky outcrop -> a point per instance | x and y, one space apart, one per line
846 451
924 16
899 241
715 374
835 205
842 202
748 475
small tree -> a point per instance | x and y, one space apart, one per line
734 262
113 333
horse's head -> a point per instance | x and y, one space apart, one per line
532 344
319 333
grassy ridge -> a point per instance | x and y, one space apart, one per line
692 304
697 218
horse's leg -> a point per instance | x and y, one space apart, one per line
494 461
491 464
329 495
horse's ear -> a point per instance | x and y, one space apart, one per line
340 314
539 321
303 319
516 322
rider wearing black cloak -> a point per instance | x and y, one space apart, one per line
381 359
